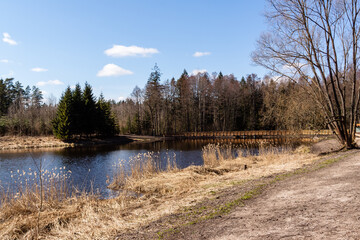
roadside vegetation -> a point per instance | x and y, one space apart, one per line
49 208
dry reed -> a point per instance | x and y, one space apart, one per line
139 167
34 199
214 154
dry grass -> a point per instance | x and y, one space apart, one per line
214 154
139 168
9 143
161 192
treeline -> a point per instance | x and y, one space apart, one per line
22 111
216 102
79 114
197 103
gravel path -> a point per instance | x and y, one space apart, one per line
319 205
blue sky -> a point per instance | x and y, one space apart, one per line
114 44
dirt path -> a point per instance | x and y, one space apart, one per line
324 204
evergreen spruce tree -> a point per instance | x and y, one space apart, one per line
77 111
62 122
105 120
78 114
89 113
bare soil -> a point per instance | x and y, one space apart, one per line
326 146
315 204
320 205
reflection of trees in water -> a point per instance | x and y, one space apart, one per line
181 145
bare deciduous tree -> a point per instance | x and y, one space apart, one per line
317 41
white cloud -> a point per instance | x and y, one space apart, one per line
113 70
37 69
197 71
4 61
121 98
201 54
131 51
50 82
7 38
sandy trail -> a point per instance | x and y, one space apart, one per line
324 204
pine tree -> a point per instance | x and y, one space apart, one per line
6 95
184 100
18 94
36 97
136 95
27 92
153 98
3 98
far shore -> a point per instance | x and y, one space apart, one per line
25 143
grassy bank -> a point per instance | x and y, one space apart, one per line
149 193
9 143
24 143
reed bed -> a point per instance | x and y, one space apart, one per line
139 167
214 154
142 174
227 158
35 201
47 185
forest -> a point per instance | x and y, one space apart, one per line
22 111
202 102
216 102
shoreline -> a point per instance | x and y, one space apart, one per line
25 143
8 143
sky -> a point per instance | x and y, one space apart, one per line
113 44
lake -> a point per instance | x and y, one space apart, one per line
91 167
